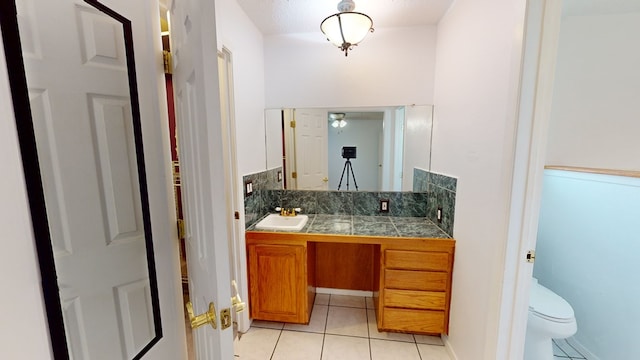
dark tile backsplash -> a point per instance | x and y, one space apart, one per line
420 180
430 191
441 192
264 185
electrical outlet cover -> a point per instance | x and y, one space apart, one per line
384 205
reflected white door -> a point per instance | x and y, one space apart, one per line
202 160
76 72
311 143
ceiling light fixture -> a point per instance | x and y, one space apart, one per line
346 28
339 123
338 120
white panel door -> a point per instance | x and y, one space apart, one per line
311 143
76 70
202 159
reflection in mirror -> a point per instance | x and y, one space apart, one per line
84 105
390 142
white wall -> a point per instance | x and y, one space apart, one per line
392 66
417 138
23 328
273 137
397 134
238 34
588 241
595 113
476 82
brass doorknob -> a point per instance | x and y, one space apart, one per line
208 317
325 179
236 301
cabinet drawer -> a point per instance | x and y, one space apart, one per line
420 321
414 299
416 260
415 280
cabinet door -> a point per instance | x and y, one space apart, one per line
277 281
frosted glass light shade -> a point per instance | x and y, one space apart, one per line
339 123
346 29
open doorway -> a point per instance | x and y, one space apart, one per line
362 130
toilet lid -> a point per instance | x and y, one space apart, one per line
549 304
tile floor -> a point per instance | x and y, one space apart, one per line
341 327
562 350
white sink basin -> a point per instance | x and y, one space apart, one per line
278 222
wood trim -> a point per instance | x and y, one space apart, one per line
626 173
312 283
419 244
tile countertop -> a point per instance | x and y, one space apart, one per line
388 226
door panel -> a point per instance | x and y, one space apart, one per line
200 146
311 142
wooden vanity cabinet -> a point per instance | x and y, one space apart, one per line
279 281
410 277
415 288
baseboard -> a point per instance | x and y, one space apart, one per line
581 349
344 292
447 346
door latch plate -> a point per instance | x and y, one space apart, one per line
225 318
531 256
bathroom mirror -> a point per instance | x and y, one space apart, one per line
81 140
391 141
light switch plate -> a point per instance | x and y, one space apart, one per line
248 188
279 176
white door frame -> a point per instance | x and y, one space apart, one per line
290 148
540 45
237 249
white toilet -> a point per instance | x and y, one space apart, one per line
550 317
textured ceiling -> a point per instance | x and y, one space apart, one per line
299 16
